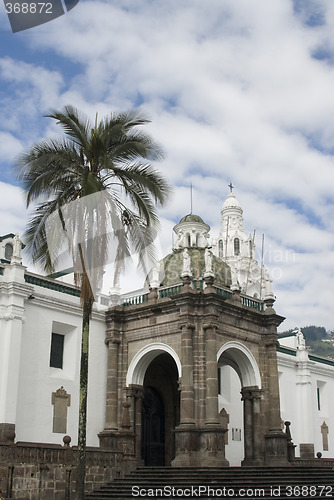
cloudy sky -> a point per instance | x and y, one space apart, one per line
237 90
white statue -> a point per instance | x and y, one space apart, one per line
208 260
235 285
186 262
17 250
178 243
300 338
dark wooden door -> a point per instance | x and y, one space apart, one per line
153 428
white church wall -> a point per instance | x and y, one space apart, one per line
38 380
305 395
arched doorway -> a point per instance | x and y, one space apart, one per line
160 411
237 369
152 428
157 369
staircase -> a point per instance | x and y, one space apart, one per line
216 483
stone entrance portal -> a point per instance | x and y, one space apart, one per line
159 411
165 347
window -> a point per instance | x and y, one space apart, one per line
322 397
105 301
8 251
236 246
57 351
221 248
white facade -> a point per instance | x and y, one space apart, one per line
32 308
306 389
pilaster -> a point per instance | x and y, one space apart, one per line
112 382
14 292
212 416
187 382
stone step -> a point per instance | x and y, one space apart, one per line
213 483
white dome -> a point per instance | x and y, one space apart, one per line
231 202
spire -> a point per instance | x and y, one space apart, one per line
232 212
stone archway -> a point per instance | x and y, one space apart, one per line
240 358
156 369
142 359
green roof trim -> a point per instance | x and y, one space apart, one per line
286 350
312 357
52 285
6 236
286 334
319 359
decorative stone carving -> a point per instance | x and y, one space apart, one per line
324 432
60 400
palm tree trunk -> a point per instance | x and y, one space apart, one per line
81 467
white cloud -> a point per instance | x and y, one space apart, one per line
234 94
12 206
9 145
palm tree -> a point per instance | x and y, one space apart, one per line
93 187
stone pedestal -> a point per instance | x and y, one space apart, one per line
109 440
204 447
123 441
276 453
306 450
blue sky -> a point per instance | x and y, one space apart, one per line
236 90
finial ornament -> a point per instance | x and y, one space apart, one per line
231 187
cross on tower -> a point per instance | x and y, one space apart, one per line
231 186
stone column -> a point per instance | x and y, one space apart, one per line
276 441
112 382
253 433
248 426
136 393
257 427
274 415
212 416
187 382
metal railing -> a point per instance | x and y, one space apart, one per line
172 291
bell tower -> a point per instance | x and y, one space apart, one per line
237 249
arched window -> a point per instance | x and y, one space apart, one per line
236 246
188 240
8 251
220 248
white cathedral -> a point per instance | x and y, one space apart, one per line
40 335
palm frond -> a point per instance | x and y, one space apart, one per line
83 181
76 125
